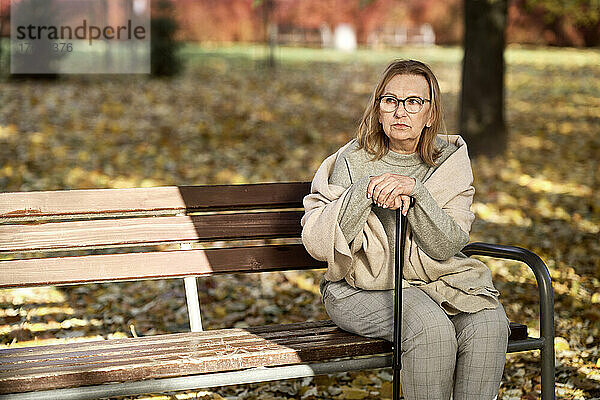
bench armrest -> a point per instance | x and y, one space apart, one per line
540 271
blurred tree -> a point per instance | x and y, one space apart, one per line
270 27
2 72
559 15
243 20
482 97
267 8
163 57
35 58
4 37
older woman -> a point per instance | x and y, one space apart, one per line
455 331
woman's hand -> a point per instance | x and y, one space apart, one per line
391 191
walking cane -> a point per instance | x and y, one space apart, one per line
401 223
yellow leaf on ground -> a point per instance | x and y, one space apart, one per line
353 393
117 335
220 311
561 344
387 390
361 380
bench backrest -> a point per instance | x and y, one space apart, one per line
130 234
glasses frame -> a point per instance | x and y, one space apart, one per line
403 101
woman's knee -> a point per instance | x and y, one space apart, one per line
426 325
433 334
491 325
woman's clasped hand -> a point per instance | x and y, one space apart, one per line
391 191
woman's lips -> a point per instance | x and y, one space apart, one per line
401 126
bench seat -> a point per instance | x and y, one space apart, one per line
180 354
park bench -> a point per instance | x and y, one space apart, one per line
262 224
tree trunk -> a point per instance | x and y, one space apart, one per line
591 35
270 31
482 120
1 44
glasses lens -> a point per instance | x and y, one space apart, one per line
388 104
413 104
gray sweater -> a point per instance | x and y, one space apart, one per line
435 232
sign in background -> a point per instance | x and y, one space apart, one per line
80 36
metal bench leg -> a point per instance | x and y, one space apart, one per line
547 332
548 380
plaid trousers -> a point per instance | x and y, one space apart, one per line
461 355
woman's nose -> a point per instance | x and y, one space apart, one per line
400 111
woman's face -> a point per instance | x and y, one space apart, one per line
401 127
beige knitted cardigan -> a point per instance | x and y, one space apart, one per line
459 284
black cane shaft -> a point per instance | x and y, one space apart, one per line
397 295
401 224
396 357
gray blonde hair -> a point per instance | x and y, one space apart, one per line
370 135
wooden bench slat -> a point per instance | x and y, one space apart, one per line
307 348
279 330
115 232
517 331
163 264
93 201
180 366
204 350
160 343
230 348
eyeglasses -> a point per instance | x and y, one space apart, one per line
411 104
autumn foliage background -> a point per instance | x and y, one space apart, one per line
228 119
548 22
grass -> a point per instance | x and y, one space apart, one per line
514 55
